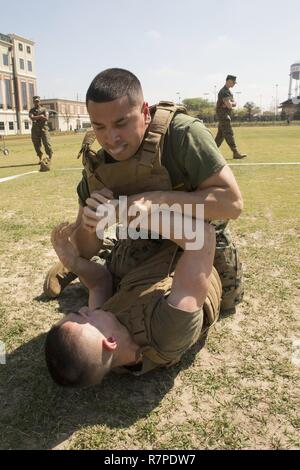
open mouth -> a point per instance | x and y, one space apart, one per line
117 150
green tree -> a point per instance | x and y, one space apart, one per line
207 113
201 108
240 113
251 109
195 104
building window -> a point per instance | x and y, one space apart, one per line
28 50
24 95
1 126
29 65
52 106
11 125
31 91
8 94
5 59
22 64
26 125
20 47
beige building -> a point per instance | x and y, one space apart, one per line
18 86
66 115
290 109
17 83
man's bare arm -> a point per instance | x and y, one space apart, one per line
94 276
219 194
86 242
41 117
229 103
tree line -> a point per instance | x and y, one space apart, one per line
206 110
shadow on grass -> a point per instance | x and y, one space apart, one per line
72 298
19 166
37 414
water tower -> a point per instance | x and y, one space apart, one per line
294 88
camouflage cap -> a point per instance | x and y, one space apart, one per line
36 98
231 77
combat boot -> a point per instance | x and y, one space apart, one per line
238 155
57 278
45 164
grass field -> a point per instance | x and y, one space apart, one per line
240 392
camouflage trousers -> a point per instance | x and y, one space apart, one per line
225 132
229 268
125 256
39 136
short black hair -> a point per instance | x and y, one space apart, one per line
64 361
114 83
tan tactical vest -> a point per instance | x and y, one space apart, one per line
144 172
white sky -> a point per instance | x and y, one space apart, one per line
175 47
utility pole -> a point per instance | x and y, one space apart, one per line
276 101
238 93
16 90
260 104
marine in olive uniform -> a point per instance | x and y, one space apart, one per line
225 104
40 133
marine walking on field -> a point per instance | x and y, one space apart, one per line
224 107
40 133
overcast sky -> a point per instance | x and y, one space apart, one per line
175 47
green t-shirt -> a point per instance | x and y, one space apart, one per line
39 111
189 154
223 94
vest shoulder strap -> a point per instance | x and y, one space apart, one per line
88 140
90 158
164 112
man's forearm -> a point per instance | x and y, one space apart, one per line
87 243
228 103
219 203
182 229
36 118
93 277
